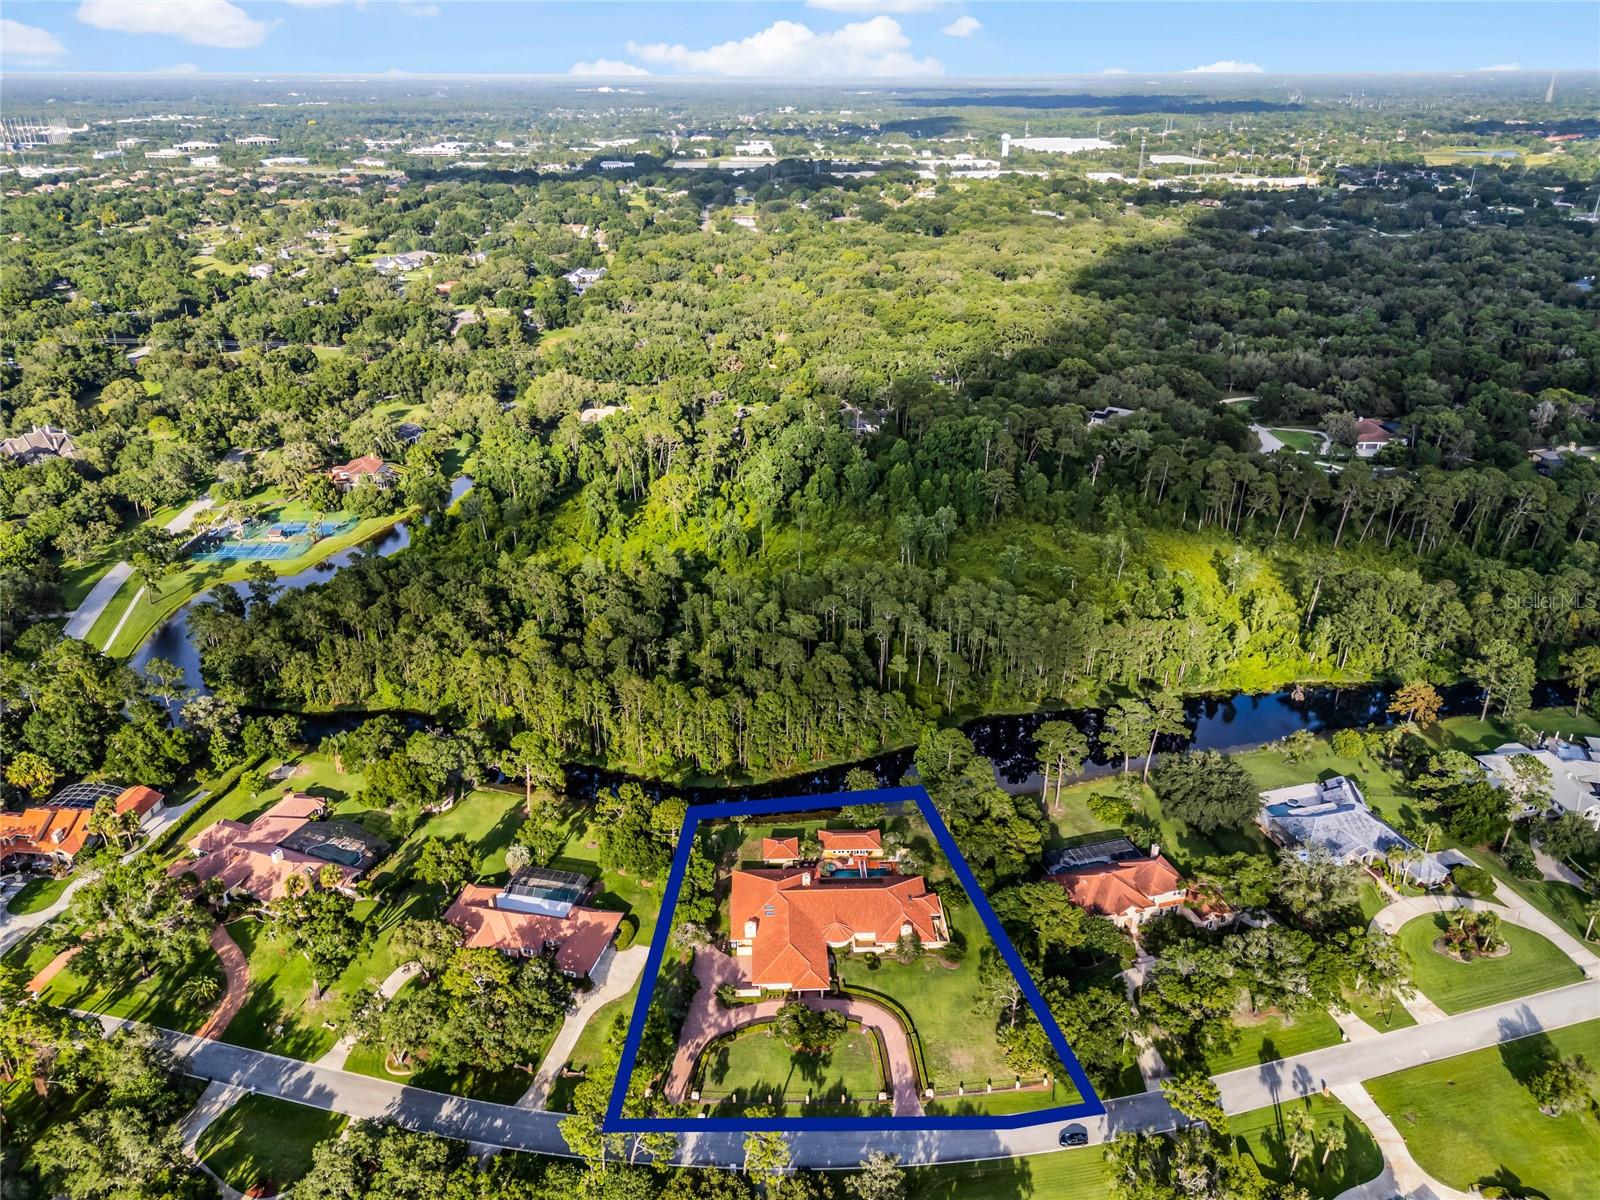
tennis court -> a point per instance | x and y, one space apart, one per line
262 540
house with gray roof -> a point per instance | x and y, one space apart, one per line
39 443
1574 773
1332 815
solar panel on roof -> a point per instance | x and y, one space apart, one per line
1070 857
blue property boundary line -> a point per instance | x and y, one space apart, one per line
616 1122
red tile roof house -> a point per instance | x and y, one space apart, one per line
577 939
784 851
786 920
251 859
850 843
141 800
369 466
53 836
1371 437
1132 890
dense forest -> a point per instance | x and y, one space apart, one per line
768 497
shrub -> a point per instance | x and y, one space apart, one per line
1519 860
1473 881
1348 743
626 932
726 995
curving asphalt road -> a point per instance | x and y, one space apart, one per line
512 1128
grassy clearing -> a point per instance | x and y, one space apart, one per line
265 1142
1275 1037
752 1066
162 999
1534 965
1082 1174
1560 901
950 1008
37 894
1382 1017
1443 1112
1300 440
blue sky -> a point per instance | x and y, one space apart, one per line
815 39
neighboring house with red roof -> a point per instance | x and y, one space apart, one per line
577 938
369 466
1129 890
141 800
850 843
786 920
260 858
44 836
1372 436
1114 879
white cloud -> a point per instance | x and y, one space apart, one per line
202 22
418 10
183 68
1503 67
28 44
787 48
875 6
314 3
1225 66
606 66
962 27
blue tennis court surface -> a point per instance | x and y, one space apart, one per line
240 550
260 540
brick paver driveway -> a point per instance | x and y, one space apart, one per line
707 1020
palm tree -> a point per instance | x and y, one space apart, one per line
1429 831
203 989
1592 911
1333 1141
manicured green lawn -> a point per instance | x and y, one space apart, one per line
37 894
1082 1174
1534 965
1006 1099
1559 901
278 1016
615 891
261 1140
1298 439
950 1008
752 1066
1381 1016
1470 1120
1277 1037
1072 821
162 999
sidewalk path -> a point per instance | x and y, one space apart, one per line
502 1125
613 978
707 1020
82 620
237 987
1511 907
392 983
1401 1174
1354 1028
217 1099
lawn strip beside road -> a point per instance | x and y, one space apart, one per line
265 1141
1444 1112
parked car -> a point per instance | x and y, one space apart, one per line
1074 1135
